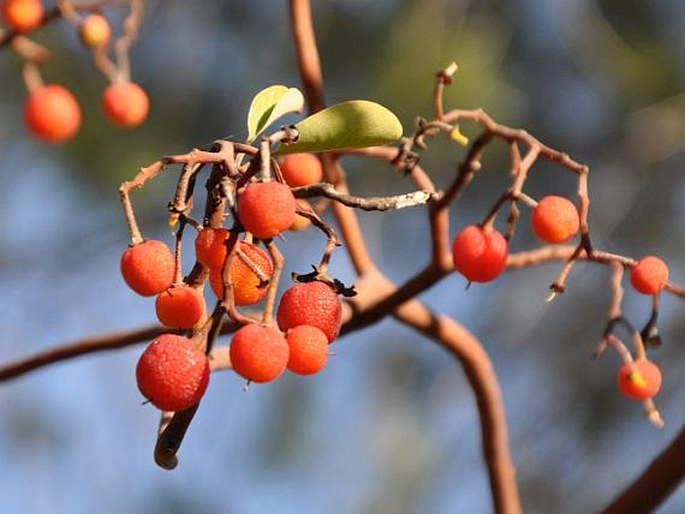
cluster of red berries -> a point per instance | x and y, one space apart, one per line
480 252
51 112
172 372
641 379
309 318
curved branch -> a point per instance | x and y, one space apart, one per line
485 386
479 372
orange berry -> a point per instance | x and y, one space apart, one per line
210 247
22 15
258 353
148 268
180 306
311 303
301 222
265 209
126 104
301 169
94 30
480 254
308 349
172 373
555 219
248 287
639 380
52 113
649 275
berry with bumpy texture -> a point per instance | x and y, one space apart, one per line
259 353
480 254
126 104
248 287
22 15
301 169
265 209
148 267
52 113
180 306
308 349
94 30
639 380
649 275
311 303
172 373
555 219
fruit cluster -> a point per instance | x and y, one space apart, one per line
173 371
51 112
480 254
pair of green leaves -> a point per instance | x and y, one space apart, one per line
351 124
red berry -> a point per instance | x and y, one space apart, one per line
126 104
308 349
180 306
480 254
148 268
649 275
301 169
22 15
52 113
258 353
172 373
311 303
248 286
639 380
555 219
266 209
94 30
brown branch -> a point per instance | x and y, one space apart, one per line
485 386
656 483
373 203
477 366
312 79
112 341
123 44
444 79
307 54
173 429
279 263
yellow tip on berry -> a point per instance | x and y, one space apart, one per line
637 379
458 137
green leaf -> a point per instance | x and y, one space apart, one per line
352 124
270 104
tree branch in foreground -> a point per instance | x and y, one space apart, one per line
655 484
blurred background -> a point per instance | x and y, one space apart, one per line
390 426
